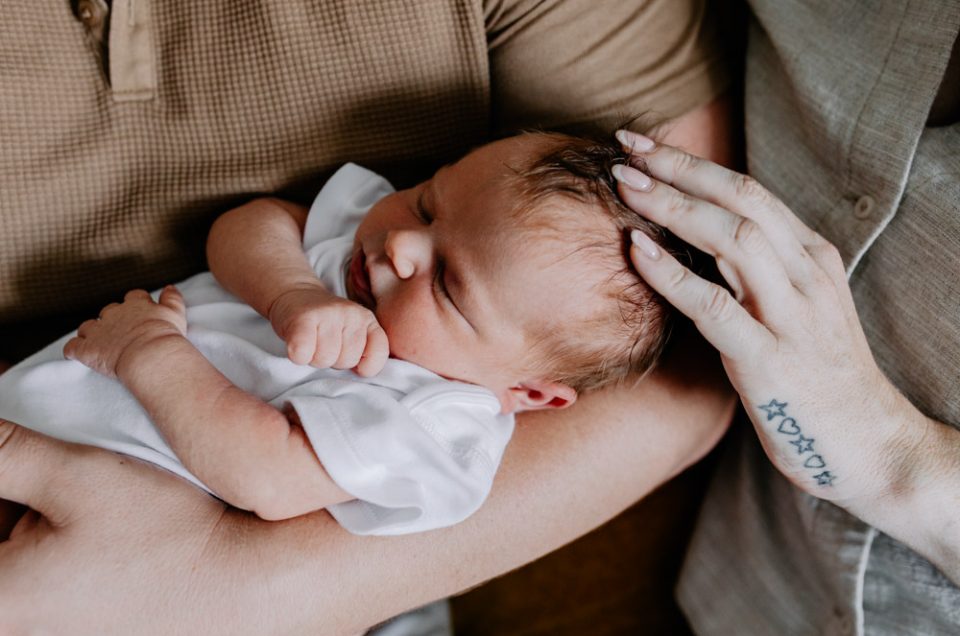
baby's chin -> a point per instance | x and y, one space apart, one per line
399 352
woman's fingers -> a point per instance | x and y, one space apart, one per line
736 192
745 257
718 316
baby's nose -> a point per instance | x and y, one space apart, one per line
408 251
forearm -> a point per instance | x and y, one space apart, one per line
563 474
243 449
256 251
917 500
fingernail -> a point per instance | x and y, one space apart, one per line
632 178
646 245
635 142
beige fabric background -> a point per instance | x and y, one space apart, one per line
117 158
121 145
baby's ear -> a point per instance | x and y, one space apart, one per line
533 395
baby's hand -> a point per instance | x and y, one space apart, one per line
324 330
122 327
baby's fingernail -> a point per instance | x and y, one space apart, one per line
632 178
646 245
635 142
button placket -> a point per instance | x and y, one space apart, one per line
133 63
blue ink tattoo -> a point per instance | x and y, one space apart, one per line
788 426
774 409
803 444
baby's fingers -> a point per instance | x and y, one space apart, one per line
171 298
71 350
352 344
302 344
376 352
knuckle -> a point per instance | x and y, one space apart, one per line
684 162
678 277
746 234
716 303
746 187
829 257
324 357
678 203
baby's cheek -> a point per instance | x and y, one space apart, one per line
402 332
422 343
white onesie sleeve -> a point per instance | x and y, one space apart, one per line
342 203
414 462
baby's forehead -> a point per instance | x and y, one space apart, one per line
552 253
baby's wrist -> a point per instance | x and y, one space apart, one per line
276 310
154 341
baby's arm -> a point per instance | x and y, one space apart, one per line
247 452
255 252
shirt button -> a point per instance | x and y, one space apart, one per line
90 13
864 206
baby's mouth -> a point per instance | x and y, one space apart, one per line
358 281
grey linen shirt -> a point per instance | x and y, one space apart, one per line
837 100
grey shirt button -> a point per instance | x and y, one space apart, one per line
864 206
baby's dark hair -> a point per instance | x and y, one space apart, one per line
627 336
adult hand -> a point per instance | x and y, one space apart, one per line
126 548
787 329
107 523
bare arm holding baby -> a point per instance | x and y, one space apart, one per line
245 450
248 452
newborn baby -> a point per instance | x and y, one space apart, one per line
367 357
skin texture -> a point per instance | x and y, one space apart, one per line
469 309
186 564
268 466
463 308
794 350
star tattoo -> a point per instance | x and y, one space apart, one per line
825 478
803 444
774 409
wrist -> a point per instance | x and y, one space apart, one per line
275 309
147 346
901 465
917 504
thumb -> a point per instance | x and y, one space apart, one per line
34 469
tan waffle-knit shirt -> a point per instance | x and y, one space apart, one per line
128 126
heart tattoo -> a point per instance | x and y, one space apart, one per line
788 426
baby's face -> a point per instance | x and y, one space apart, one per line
456 287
